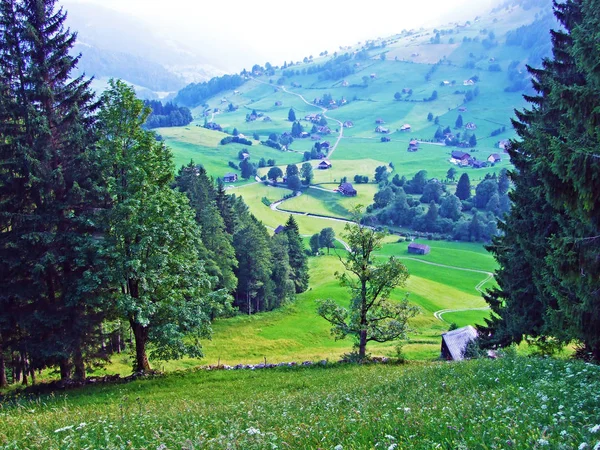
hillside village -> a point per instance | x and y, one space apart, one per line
380 246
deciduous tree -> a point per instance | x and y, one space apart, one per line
371 315
153 240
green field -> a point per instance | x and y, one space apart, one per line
329 203
513 402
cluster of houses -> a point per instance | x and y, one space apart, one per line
464 159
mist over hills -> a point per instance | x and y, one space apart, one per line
119 45
116 45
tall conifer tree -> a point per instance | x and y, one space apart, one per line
47 188
551 238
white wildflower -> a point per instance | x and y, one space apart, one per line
597 446
542 442
70 427
252 431
338 447
563 433
393 446
81 425
595 429
582 446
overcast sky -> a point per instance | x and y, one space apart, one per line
282 30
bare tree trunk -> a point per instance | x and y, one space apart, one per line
16 367
79 364
32 373
65 369
3 379
362 345
24 368
141 336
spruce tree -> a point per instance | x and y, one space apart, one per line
551 234
220 258
298 259
49 190
463 188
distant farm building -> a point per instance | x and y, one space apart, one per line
278 103
418 249
503 144
460 158
324 130
494 158
475 164
324 165
470 126
230 177
348 124
385 139
405 127
462 109
454 343
468 82
344 83
347 189
413 145
325 144
381 129
379 121
279 229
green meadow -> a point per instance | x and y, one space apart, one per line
512 402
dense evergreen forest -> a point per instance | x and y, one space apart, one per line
167 115
97 235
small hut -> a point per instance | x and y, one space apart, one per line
418 249
454 343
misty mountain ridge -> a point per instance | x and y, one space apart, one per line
116 45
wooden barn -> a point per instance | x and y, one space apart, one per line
347 189
418 249
230 177
454 343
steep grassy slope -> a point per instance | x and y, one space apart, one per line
514 403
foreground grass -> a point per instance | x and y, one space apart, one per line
519 403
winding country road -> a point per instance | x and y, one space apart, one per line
323 110
479 287
274 206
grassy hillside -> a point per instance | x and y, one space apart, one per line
390 79
512 403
